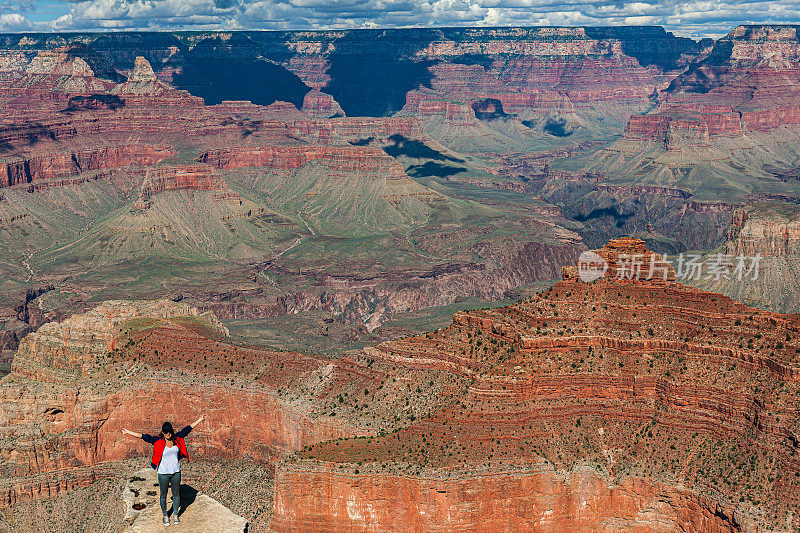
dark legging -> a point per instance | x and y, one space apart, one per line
174 481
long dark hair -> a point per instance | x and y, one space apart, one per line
166 429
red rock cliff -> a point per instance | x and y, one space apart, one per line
319 499
664 388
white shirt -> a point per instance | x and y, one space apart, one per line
169 461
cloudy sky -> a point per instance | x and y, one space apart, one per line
689 18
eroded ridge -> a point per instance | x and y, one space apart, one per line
641 386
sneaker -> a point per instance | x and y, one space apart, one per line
176 520
166 520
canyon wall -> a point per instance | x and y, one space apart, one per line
770 232
311 498
623 404
748 83
290 157
59 165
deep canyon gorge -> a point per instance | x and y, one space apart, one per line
356 252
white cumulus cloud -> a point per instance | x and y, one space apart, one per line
690 18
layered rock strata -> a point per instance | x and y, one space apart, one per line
666 407
751 85
51 166
642 396
535 500
343 158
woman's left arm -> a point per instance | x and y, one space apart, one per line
185 431
196 422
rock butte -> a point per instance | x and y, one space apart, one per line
638 396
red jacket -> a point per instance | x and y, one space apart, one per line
159 444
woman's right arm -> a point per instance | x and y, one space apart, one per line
150 439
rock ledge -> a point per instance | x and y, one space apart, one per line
201 513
